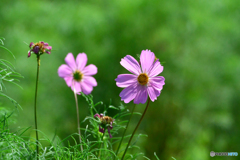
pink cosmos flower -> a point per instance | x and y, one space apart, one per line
77 75
144 80
39 48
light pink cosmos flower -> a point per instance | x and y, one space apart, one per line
144 80
77 75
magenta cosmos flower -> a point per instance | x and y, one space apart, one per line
77 75
144 80
39 48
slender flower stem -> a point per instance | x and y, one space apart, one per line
35 103
125 131
136 128
79 132
99 153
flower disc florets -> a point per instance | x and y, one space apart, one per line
39 48
143 79
77 76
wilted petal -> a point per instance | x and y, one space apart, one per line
101 129
131 64
36 49
90 81
125 80
29 53
81 61
142 95
129 93
156 69
31 44
64 71
146 58
89 70
70 61
97 115
157 82
49 47
111 124
109 133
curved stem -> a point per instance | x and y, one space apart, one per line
125 130
136 128
35 104
79 132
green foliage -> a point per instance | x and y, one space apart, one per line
95 144
7 74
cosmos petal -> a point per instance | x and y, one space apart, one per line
156 69
146 58
90 70
125 80
142 95
71 61
86 88
68 81
131 64
81 61
76 87
157 82
153 93
64 71
129 93
90 80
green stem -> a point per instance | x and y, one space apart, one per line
136 128
35 104
125 131
99 153
79 132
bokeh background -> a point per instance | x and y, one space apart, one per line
198 42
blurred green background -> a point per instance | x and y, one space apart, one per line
198 42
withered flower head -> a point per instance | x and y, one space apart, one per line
39 48
106 122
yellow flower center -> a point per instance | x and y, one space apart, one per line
143 79
77 75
